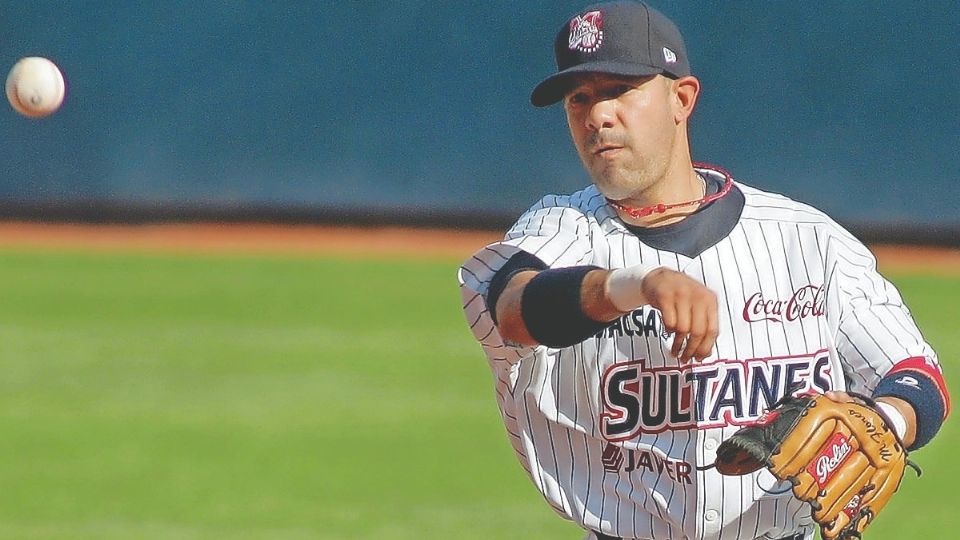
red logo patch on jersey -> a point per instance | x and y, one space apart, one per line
766 418
829 459
586 32
807 301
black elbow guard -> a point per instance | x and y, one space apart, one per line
551 307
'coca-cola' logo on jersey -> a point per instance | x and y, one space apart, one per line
807 301
829 459
586 32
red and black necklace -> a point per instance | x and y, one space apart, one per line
660 208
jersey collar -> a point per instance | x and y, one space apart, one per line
701 230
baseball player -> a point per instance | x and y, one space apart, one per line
634 325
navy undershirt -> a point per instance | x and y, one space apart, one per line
699 231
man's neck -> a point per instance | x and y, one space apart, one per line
682 186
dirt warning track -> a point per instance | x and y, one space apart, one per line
362 242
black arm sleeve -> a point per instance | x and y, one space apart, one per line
552 310
520 262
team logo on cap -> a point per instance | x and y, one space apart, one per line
669 56
586 32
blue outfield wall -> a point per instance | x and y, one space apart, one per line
418 106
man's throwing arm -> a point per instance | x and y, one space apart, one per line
559 307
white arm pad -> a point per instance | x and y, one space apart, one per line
624 286
893 414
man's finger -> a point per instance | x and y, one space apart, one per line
682 329
698 330
668 314
710 338
691 347
678 342
839 396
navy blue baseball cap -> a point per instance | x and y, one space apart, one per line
619 38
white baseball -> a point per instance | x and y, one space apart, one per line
35 87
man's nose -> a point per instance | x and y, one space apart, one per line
602 115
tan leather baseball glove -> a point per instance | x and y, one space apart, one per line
842 458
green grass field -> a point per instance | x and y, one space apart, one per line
191 397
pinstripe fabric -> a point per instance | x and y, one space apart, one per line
800 301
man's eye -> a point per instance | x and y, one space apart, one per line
619 90
577 99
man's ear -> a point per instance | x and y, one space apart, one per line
685 91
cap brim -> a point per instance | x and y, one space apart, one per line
553 88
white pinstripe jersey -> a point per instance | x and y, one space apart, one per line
611 430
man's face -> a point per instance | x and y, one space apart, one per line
624 129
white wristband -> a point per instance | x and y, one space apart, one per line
893 414
624 286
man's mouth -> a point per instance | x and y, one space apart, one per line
606 149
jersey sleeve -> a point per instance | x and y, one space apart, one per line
559 236
876 332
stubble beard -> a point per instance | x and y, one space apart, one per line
629 177
629 180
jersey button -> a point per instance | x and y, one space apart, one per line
710 444
711 515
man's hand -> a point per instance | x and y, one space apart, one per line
904 408
689 310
